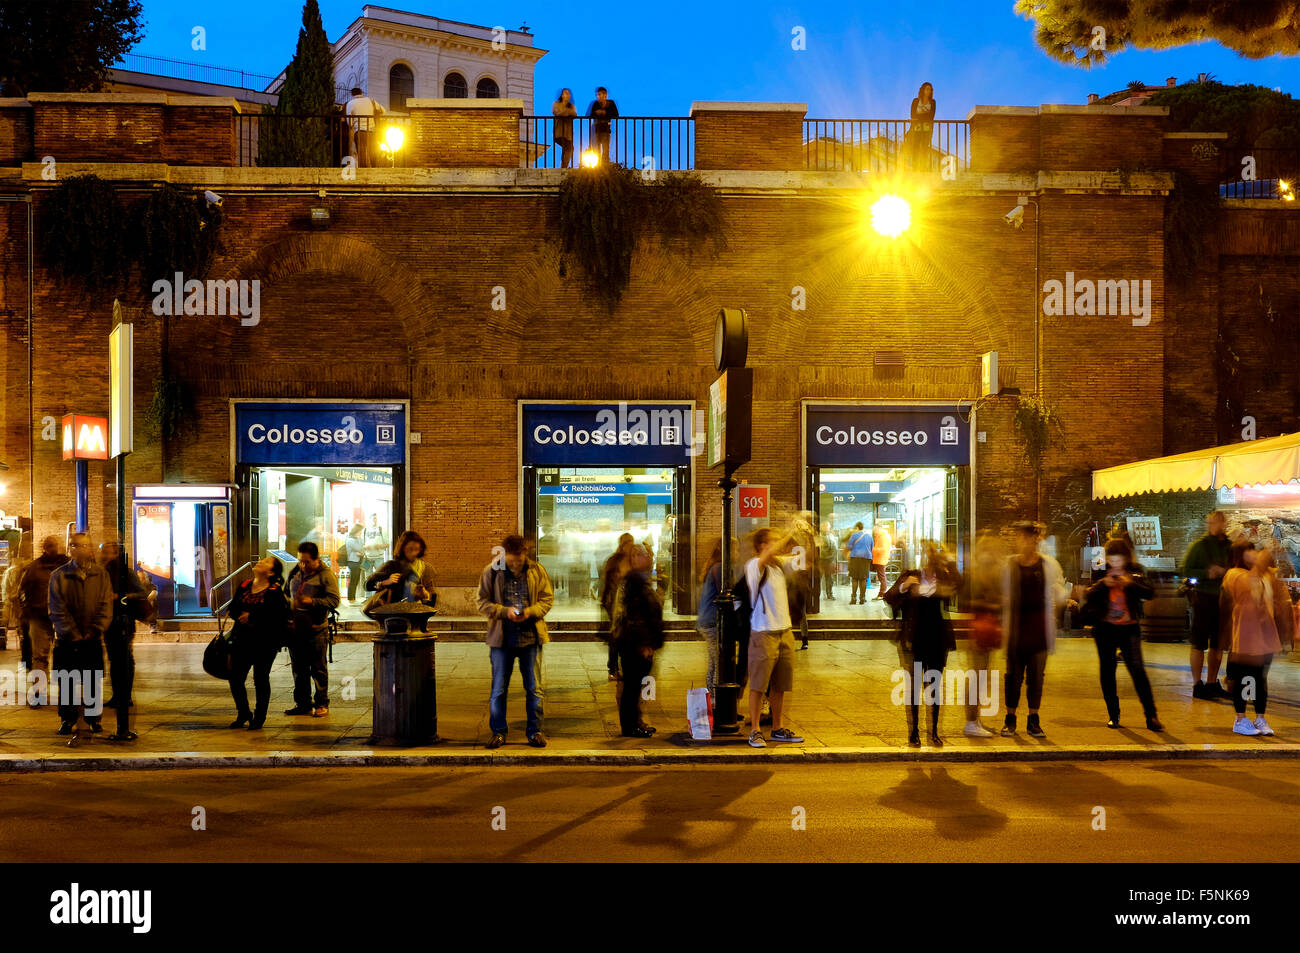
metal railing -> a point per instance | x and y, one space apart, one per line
197 72
268 139
885 145
668 141
1275 175
212 592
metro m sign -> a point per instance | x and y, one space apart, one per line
85 437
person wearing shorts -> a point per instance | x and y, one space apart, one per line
771 635
1204 567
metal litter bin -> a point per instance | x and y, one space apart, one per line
405 701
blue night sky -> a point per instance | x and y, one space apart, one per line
863 60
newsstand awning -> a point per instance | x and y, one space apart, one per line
1249 463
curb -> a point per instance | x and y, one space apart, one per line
642 757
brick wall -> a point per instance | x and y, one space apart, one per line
469 134
200 134
15 131
99 128
753 137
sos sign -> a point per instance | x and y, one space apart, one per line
752 501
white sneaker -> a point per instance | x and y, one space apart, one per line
974 729
1244 726
1262 726
756 740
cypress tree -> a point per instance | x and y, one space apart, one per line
308 91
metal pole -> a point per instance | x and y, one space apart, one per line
121 500
725 717
83 496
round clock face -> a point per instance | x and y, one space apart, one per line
729 342
719 339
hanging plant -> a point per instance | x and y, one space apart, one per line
1190 213
177 232
603 212
83 231
169 411
1038 425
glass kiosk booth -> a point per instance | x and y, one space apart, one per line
181 535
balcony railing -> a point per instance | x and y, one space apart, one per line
667 141
884 145
1276 172
270 139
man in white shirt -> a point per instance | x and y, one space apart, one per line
364 109
771 639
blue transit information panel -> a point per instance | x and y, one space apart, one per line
847 435
617 434
371 435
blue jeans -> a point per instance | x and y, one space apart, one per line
503 666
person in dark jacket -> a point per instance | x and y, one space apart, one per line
81 611
638 631
408 576
354 551
1114 606
261 613
925 635
128 604
602 112
314 592
611 578
34 602
921 130
1204 567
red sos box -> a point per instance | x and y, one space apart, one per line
752 501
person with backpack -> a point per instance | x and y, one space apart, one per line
771 637
314 592
515 594
261 614
859 552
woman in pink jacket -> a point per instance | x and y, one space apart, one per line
1250 594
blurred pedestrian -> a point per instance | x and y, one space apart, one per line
706 613
564 112
859 552
1033 592
314 593
80 610
920 131
611 577
375 545
261 613
1250 594
828 551
638 632
1114 607
13 608
925 635
602 112
354 552
988 562
771 640
129 604
34 598
1204 567
515 596
362 112
881 544
801 575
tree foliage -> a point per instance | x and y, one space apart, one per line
1252 116
63 47
1065 29
177 232
308 91
83 231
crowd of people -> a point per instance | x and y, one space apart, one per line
73 609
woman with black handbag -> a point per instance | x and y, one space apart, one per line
261 613
925 636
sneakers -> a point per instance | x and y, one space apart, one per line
1034 728
320 711
1009 727
974 729
299 710
785 734
1262 726
756 739
497 741
1244 726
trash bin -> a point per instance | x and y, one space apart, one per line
405 695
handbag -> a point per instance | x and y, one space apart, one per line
217 660
986 630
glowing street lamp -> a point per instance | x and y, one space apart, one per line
590 159
392 142
891 216
1285 191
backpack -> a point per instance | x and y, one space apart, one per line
739 613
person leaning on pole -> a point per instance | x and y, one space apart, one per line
81 610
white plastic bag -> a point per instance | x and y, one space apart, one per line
699 712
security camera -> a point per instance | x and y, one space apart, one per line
212 198
1016 217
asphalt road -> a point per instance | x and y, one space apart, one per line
1220 811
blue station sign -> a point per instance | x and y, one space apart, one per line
848 435
615 434
342 434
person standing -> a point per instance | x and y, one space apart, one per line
128 603
611 578
1033 591
515 598
880 546
988 559
261 614
354 549
859 549
564 111
801 576
706 614
1204 567
925 636
921 130
1252 601
408 576
637 632
13 614
362 111
81 611
1114 606
313 592
34 598
771 639
602 112
828 549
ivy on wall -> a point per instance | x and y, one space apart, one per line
172 405
1039 426
605 212
1190 214
176 232
83 231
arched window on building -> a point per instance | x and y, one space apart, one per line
487 89
401 86
455 87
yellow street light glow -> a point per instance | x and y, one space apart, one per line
394 139
590 159
891 216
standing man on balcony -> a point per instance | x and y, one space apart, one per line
364 110
601 111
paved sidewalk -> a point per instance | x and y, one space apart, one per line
841 705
